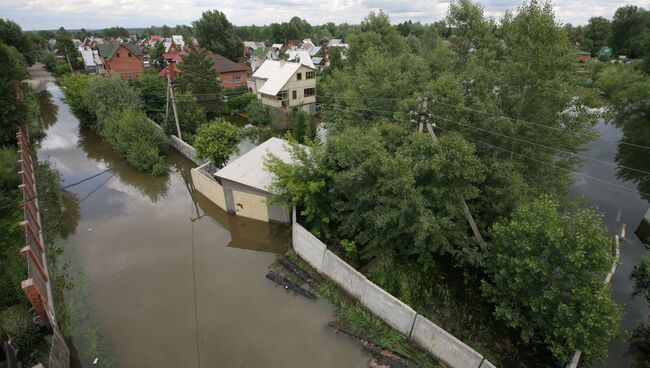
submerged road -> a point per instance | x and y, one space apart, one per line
164 278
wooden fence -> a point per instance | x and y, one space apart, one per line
37 287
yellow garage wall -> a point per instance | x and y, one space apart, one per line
250 205
209 188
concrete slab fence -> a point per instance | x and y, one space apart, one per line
426 334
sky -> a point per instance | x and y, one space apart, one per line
97 14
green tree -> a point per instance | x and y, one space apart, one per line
598 31
216 34
199 77
12 35
14 109
153 92
190 116
156 56
258 113
544 275
216 141
115 32
105 95
303 126
641 276
628 21
75 87
640 340
135 137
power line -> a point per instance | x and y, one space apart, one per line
612 164
549 164
62 188
486 112
545 146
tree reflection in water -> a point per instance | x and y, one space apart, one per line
154 188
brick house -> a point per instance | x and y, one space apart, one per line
121 58
232 75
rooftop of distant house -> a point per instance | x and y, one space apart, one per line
108 50
224 65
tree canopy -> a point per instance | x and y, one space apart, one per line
215 33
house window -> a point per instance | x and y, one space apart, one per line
310 92
282 96
129 54
299 76
117 55
236 79
310 75
294 94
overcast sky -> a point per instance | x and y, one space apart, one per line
96 14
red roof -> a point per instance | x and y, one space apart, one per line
155 37
223 65
173 57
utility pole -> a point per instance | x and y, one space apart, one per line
424 120
170 91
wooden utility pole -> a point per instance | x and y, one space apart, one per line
170 91
424 120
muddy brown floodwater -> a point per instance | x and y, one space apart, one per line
171 280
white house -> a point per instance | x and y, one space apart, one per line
301 56
284 84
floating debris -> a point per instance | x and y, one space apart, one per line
274 276
387 358
291 266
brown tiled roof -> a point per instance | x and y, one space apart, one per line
223 65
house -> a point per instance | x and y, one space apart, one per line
319 63
259 56
171 60
232 75
246 183
89 61
293 44
301 56
283 84
583 56
121 58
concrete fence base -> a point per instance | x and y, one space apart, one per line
430 337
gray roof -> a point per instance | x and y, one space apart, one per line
249 169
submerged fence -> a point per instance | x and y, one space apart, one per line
441 344
37 287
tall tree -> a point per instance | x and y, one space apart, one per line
216 34
628 21
115 32
598 31
12 35
540 286
199 77
14 109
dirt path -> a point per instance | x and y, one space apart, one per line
39 77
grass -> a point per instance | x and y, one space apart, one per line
353 317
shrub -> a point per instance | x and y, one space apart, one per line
75 87
134 137
258 113
105 95
240 102
303 126
216 141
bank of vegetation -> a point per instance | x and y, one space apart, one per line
59 208
510 121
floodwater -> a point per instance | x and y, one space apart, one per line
171 280
621 208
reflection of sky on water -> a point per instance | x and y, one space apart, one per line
619 207
147 264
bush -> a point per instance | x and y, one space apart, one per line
153 91
105 95
240 103
258 113
75 87
303 126
216 141
134 137
49 61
